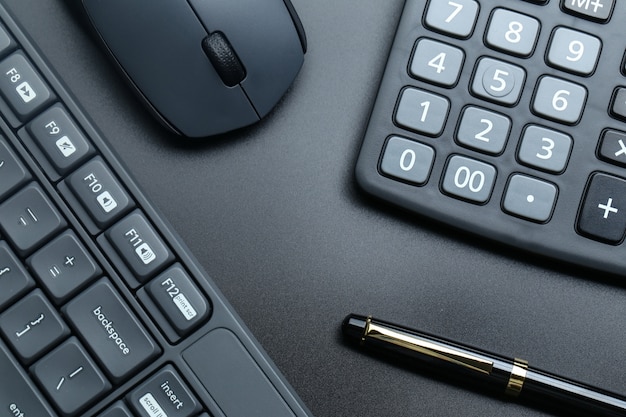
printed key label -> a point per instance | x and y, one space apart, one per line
26 92
23 89
65 146
106 201
151 406
142 249
103 197
179 299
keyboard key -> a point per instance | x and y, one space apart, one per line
22 87
512 32
63 266
529 198
469 179
142 249
7 44
559 100
18 395
14 279
110 330
603 214
118 409
100 193
179 299
164 394
58 136
32 326
29 218
70 377
12 171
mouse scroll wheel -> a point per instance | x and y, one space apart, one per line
224 59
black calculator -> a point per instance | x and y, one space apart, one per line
508 119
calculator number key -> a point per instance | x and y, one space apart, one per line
483 130
529 198
422 111
559 100
453 17
437 62
469 179
574 51
498 81
407 160
512 32
545 149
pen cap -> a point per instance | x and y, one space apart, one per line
353 327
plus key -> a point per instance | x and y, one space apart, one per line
603 213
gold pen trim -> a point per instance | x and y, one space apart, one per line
368 322
432 349
517 378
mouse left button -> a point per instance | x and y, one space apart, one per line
157 45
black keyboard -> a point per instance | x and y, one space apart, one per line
507 119
103 311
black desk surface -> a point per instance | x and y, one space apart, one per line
274 215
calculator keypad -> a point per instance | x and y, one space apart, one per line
507 119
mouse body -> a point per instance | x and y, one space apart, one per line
203 67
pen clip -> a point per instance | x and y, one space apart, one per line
426 347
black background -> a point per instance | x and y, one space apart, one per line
274 215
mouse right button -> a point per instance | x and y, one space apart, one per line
233 378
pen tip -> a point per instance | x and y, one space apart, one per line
353 327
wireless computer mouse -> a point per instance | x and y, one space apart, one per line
203 67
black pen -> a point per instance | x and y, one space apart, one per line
509 376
